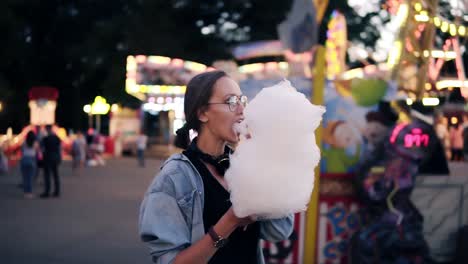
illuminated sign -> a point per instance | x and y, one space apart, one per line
416 138
158 75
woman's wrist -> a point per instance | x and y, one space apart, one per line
227 224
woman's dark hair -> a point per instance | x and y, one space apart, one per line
199 91
30 138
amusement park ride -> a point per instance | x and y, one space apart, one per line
415 50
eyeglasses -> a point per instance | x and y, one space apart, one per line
234 101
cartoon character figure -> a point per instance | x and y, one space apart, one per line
340 136
376 128
384 180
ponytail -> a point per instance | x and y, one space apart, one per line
182 138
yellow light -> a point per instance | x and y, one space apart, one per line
443 54
461 30
402 14
450 55
114 108
430 101
409 101
418 7
437 21
426 53
394 55
444 26
143 88
451 83
1 106
283 65
164 89
159 60
437 53
178 90
195 66
453 30
155 89
354 73
131 65
453 120
87 108
131 87
249 68
428 86
99 106
421 18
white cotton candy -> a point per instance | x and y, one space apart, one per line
272 172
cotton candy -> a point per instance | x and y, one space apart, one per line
272 169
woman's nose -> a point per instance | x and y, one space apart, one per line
240 108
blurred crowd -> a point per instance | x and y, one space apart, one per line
454 137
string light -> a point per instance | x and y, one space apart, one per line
418 7
443 24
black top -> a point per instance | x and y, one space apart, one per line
51 146
242 245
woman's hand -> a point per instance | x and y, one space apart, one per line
239 222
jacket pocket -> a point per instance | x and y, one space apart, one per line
186 206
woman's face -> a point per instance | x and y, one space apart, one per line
218 118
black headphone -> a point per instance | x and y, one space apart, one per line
221 163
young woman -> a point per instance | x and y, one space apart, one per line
29 152
186 215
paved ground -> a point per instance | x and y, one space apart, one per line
95 220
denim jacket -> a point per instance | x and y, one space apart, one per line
171 214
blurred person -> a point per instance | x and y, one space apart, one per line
100 149
3 160
141 143
40 133
456 142
465 136
52 149
118 144
442 132
78 151
28 163
186 215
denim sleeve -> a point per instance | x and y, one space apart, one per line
162 227
277 229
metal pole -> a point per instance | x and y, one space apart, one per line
90 120
98 123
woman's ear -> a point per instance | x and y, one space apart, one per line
202 115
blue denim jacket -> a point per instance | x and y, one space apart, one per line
171 214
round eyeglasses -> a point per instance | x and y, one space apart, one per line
234 101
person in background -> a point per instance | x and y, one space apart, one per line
465 136
28 165
52 148
141 143
40 133
456 142
443 134
186 215
3 161
78 151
